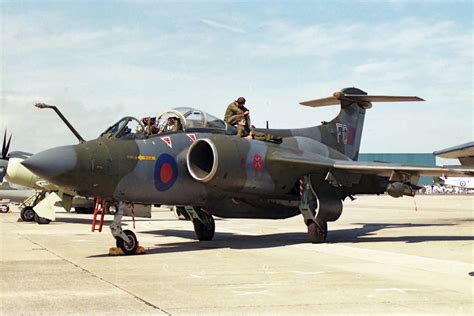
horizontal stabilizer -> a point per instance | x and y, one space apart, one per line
463 152
341 96
459 151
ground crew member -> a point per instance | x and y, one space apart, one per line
234 110
242 129
233 115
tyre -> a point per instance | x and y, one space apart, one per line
128 248
203 231
84 210
41 220
4 208
27 214
317 231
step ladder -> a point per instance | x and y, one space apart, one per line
100 206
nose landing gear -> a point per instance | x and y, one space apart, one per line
125 240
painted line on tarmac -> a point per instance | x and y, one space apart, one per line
100 278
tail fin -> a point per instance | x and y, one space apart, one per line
344 132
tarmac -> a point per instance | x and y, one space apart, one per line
383 256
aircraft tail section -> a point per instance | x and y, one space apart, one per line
344 132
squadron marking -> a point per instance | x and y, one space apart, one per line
257 162
168 141
192 137
166 172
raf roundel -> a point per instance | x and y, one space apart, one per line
166 172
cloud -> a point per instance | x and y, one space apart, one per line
218 25
35 130
403 37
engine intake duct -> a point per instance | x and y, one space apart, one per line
225 162
203 160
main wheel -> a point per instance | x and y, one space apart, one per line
41 220
84 210
128 248
4 208
27 214
204 231
317 231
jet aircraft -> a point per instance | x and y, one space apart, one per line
465 154
203 167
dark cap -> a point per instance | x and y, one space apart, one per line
241 100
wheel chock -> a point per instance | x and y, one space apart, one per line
19 220
115 251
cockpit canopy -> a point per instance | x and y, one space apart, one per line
175 120
191 118
127 128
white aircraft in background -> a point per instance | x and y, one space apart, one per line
39 205
458 182
465 154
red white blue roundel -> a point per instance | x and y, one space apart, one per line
166 172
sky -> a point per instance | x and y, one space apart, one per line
101 60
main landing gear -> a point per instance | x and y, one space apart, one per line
203 222
317 210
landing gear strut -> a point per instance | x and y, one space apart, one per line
203 222
317 231
311 211
126 240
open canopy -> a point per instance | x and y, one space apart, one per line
175 120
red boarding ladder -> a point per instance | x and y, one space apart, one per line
99 207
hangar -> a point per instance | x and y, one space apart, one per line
426 159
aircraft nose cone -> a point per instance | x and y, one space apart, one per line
52 163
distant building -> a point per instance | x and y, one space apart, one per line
425 159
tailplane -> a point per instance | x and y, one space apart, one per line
344 132
463 152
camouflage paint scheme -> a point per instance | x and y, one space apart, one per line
209 167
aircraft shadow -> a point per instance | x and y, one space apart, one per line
88 221
367 234
364 234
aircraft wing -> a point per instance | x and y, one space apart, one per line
314 163
386 169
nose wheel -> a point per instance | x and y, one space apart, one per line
128 247
125 240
